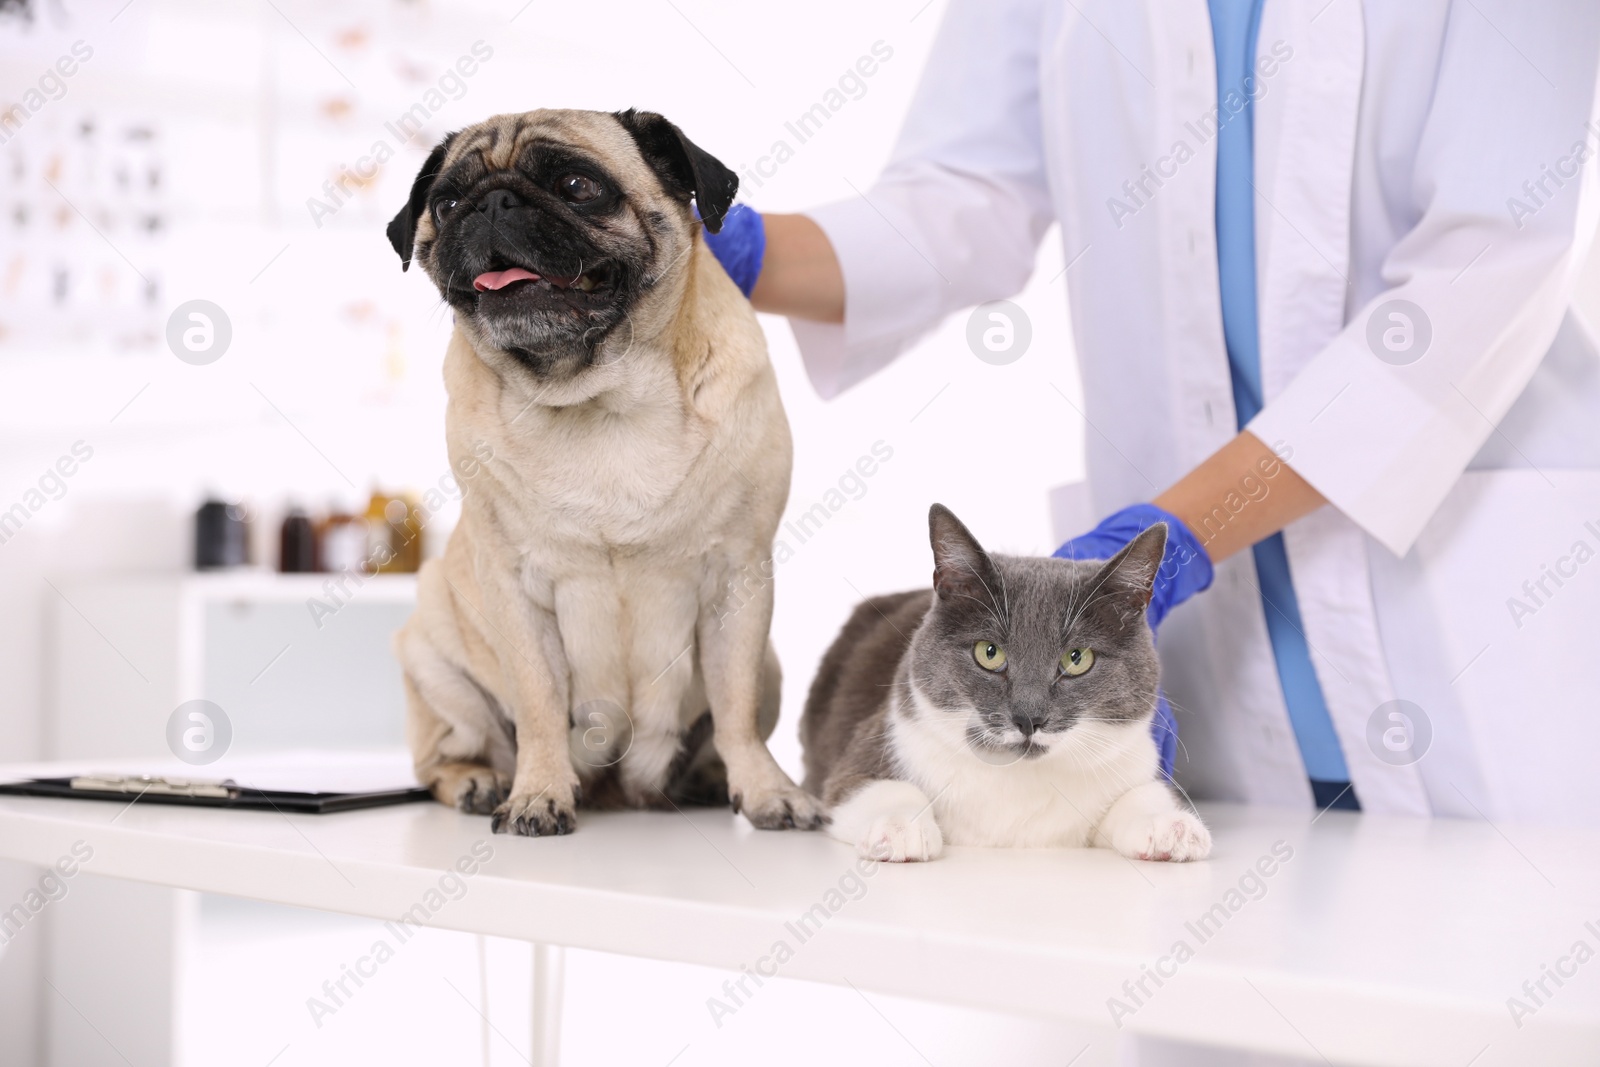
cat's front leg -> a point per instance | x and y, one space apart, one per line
889 821
1146 823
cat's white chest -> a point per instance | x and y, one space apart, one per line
1053 801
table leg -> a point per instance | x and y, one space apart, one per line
549 968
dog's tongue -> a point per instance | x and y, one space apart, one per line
499 279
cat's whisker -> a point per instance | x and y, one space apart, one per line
1005 597
1092 599
998 621
1177 707
1184 792
1103 578
1003 604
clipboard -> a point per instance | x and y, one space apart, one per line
207 793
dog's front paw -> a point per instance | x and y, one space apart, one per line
1171 835
902 838
551 811
785 807
470 787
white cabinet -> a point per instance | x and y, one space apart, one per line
294 661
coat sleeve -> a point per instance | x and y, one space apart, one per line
957 216
1385 419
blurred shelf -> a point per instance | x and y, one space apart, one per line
256 586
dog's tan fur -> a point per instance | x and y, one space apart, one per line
598 546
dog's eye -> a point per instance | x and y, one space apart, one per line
990 656
441 208
579 188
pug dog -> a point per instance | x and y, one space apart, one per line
596 630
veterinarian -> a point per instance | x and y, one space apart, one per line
1320 255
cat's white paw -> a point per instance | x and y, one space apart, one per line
889 821
902 838
1176 836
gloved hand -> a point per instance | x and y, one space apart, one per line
740 245
1185 570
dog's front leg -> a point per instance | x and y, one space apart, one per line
733 647
544 788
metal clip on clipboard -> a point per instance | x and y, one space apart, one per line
146 783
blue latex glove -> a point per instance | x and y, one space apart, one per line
740 246
1185 570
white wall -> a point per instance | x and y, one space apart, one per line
333 338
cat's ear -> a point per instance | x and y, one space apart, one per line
961 568
1131 573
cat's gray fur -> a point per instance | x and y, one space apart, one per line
899 697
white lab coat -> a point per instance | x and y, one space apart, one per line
1391 139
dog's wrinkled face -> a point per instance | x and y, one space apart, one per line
550 232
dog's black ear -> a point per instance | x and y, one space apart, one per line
685 168
403 227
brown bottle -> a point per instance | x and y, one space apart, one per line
342 542
395 531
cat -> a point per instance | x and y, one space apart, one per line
1010 705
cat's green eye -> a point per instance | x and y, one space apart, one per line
1076 661
990 656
